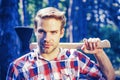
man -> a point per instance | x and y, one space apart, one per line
49 62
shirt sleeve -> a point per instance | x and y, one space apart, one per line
12 72
89 69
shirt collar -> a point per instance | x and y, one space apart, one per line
63 55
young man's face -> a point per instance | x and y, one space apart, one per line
48 35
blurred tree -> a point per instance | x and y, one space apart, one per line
9 50
53 3
114 10
25 13
78 17
100 13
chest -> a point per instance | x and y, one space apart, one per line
54 70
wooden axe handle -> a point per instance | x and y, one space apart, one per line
103 44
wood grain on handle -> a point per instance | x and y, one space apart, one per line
103 44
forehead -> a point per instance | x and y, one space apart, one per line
49 24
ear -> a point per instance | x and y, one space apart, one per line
62 32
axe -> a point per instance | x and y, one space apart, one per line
103 44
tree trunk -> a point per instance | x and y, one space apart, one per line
9 49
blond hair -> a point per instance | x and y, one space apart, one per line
50 12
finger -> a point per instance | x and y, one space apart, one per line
85 42
83 47
98 41
94 43
90 44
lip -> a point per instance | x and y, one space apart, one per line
47 45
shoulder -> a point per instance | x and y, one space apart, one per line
73 52
21 61
21 64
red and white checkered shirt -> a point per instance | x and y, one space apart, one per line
69 65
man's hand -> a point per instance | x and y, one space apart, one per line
91 46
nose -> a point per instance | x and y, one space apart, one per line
47 37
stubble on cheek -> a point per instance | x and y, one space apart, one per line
41 46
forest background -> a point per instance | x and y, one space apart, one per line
85 19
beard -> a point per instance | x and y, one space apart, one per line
46 48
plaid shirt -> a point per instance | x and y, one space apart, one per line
69 65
